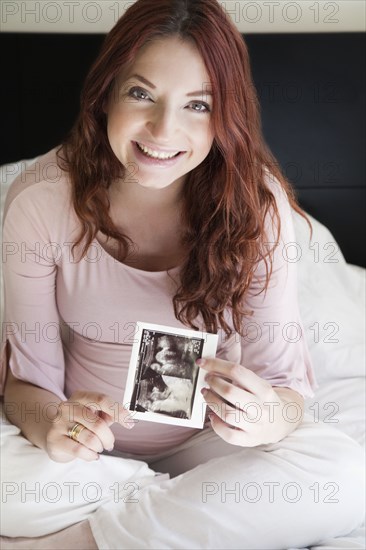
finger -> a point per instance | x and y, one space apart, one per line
235 395
99 431
90 440
244 419
240 375
229 414
78 450
103 435
231 435
113 410
128 421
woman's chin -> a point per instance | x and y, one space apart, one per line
149 183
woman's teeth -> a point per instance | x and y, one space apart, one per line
155 154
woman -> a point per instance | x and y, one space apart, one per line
165 206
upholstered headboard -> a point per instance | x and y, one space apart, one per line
311 87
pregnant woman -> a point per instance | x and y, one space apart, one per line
163 205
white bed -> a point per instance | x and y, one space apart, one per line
332 304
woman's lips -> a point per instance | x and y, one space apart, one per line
156 148
150 161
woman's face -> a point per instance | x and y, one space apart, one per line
161 103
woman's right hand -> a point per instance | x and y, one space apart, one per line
95 413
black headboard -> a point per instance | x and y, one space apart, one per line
312 92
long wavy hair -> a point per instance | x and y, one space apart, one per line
225 199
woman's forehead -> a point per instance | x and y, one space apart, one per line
155 56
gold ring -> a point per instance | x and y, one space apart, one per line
75 431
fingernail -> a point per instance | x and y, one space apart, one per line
130 425
200 362
110 448
203 391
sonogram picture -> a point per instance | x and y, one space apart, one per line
164 382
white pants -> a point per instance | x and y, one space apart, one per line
291 494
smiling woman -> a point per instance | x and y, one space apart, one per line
166 173
166 126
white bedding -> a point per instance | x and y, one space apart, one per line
332 305
334 293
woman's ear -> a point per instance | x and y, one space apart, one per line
105 105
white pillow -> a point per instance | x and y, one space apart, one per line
332 306
331 299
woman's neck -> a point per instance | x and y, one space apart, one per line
133 196
152 219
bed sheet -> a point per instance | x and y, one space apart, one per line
332 306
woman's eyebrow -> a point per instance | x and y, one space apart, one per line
145 81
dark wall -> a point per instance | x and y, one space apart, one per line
312 93
40 94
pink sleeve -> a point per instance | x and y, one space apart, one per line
31 342
274 344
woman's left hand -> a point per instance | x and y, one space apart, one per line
245 409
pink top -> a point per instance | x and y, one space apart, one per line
70 325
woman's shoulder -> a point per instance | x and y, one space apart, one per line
274 185
41 187
282 202
278 230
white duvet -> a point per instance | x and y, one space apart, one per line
332 305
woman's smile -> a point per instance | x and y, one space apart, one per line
150 158
153 150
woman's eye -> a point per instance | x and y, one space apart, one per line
201 107
137 93
141 95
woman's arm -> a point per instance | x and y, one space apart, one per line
261 400
32 360
30 408
274 344
45 420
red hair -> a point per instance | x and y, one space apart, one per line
226 199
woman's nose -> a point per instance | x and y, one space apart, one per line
163 124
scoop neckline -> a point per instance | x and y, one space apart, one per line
110 258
